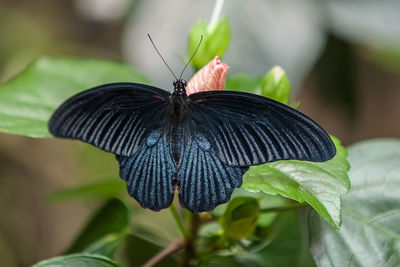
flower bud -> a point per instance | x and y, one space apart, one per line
275 85
211 77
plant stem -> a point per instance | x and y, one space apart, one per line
165 253
190 251
285 208
178 221
215 15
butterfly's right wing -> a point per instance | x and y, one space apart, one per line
149 173
114 117
248 129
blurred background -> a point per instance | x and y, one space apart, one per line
342 58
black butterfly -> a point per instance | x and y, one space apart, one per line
201 144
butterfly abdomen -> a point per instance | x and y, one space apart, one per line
177 140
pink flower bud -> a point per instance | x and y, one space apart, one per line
208 78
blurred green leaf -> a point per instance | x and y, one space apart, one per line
107 245
112 218
103 189
220 261
159 228
210 230
265 201
78 260
240 218
387 56
287 248
215 41
321 184
276 85
138 251
370 234
28 100
244 83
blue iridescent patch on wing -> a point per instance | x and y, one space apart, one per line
204 181
149 173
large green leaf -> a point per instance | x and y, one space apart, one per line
77 260
28 100
102 189
321 184
288 246
105 231
370 233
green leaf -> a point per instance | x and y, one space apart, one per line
276 85
78 260
107 245
28 100
321 184
103 189
265 202
240 218
220 261
244 83
112 218
138 251
288 246
370 233
215 41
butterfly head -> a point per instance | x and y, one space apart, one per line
180 87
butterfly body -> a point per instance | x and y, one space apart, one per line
200 144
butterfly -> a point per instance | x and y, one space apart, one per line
200 144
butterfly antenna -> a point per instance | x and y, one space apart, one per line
198 46
151 40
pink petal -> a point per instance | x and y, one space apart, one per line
211 77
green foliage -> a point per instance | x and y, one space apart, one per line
276 85
287 246
321 184
78 260
28 100
105 231
240 218
258 227
138 251
215 41
370 232
242 82
102 189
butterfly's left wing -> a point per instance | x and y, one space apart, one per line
128 120
114 117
